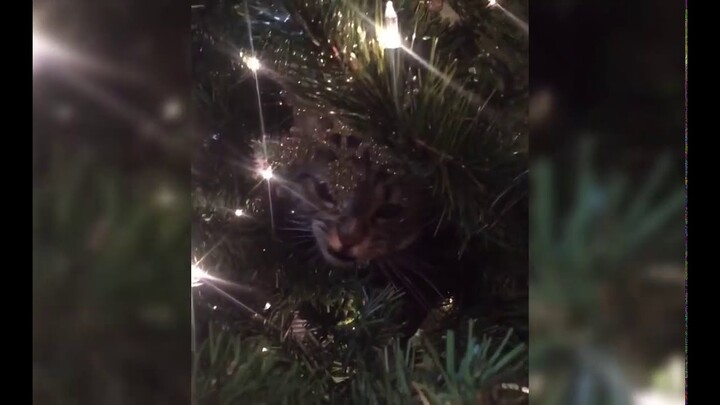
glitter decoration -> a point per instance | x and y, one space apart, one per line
318 133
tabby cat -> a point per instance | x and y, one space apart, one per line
355 200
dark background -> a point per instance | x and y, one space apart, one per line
615 71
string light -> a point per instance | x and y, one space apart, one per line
492 3
389 35
266 173
40 45
239 212
253 63
197 275
264 349
43 49
267 306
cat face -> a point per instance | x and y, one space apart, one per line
356 208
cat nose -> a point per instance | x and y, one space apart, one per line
350 232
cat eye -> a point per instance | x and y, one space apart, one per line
388 211
323 191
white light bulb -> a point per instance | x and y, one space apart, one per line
389 35
264 349
253 63
40 45
267 306
492 2
42 50
267 173
196 275
239 212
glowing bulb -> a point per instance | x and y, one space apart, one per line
267 173
239 212
42 49
390 11
264 349
389 35
40 45
267 306
197 275
172 109
492 3
252 63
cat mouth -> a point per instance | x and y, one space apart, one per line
341 256
335 257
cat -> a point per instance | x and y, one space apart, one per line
356 201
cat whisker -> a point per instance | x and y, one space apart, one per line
303 237
299 219
305 225
299 196
412 288
300 242
418 266
296 232
427 281
387 274
304 230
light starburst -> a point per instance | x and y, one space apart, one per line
266 173
253 63
389 34
197 275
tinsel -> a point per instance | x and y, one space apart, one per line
320 133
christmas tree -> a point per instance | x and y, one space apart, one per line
435 90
